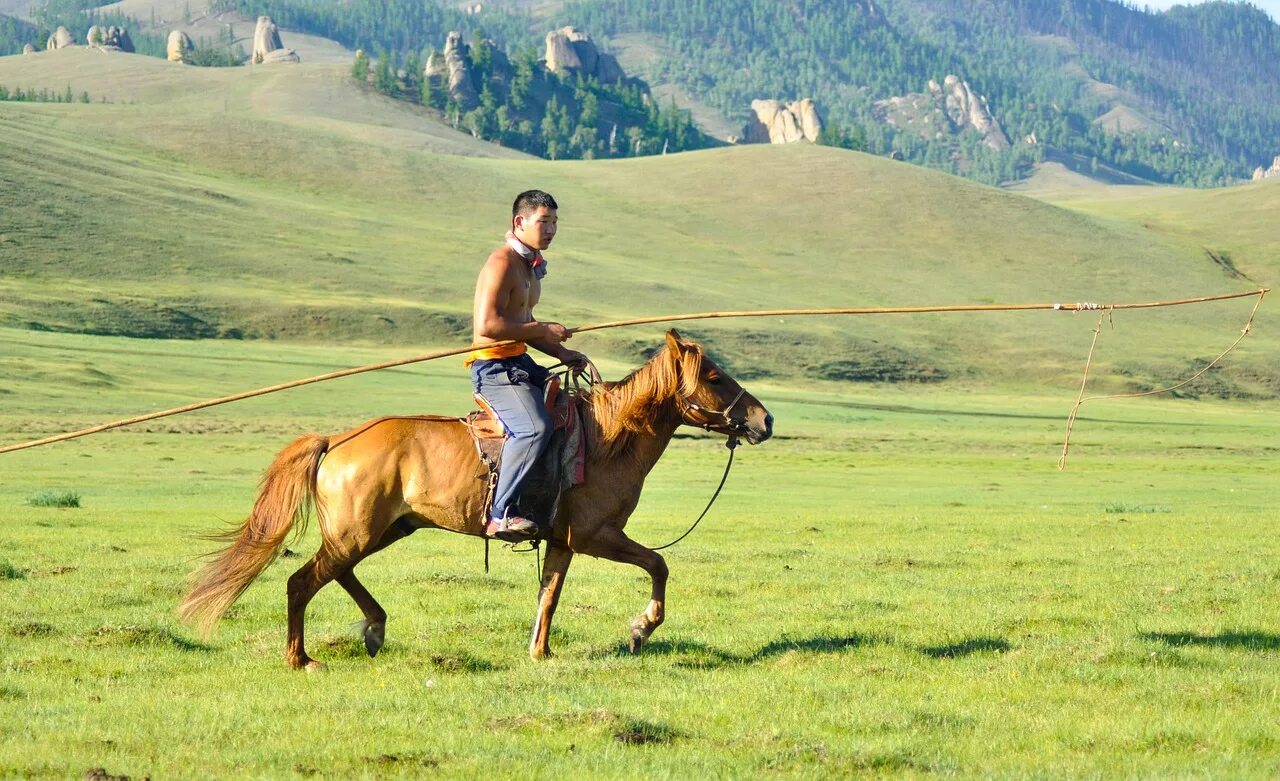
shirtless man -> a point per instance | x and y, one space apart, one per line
507 290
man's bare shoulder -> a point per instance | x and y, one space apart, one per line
501 260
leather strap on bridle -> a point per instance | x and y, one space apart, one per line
734 425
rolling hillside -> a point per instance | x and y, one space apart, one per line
287 203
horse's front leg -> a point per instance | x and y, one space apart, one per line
553 572
610 543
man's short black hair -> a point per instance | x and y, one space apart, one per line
530 201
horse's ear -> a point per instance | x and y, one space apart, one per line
673 341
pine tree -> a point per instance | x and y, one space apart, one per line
360 68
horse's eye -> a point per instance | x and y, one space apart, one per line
714 379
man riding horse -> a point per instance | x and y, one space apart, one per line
510 382
383 480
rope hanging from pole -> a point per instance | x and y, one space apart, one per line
1081 399
1056 307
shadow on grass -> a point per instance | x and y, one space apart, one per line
140 636
974 645
1253 641
688 653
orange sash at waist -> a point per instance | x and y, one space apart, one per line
491 353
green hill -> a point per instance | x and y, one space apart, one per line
287 203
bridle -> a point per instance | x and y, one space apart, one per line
735 426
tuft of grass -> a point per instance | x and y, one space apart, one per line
1116 508
10 572
51 498
32 629
639 733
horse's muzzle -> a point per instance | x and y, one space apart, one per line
756 434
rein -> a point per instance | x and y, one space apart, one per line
731 443
535 546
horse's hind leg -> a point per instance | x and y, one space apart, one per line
375 618
553 572
610 543
303 585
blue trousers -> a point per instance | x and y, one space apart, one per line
513 387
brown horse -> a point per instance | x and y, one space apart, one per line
382 481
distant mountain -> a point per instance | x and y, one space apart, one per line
1188 96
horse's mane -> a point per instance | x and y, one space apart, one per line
629 407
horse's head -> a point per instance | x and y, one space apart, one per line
707 397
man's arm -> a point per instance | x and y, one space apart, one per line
556 349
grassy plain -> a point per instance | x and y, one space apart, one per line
900 583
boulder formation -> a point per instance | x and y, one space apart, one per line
267 47
570 49
450 70
966 106
776 122
1273 172
179 46
945 109
109 38
61 39
29 49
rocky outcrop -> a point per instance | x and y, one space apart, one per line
570 49
29 49
1273 172
966 106
267 47
451 71
776 122
61 39
109 38
943 110
179 47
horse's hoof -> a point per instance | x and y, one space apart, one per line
639 633
315 667
374 636
538 654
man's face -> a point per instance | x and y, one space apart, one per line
536 229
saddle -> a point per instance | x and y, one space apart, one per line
560 466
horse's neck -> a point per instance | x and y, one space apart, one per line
646 449
643 449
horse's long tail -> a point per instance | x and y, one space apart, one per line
288 491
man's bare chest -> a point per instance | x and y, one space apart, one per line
525 291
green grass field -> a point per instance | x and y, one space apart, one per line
900 583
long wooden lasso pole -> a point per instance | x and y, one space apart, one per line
1057 307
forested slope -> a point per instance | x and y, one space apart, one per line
1188 96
